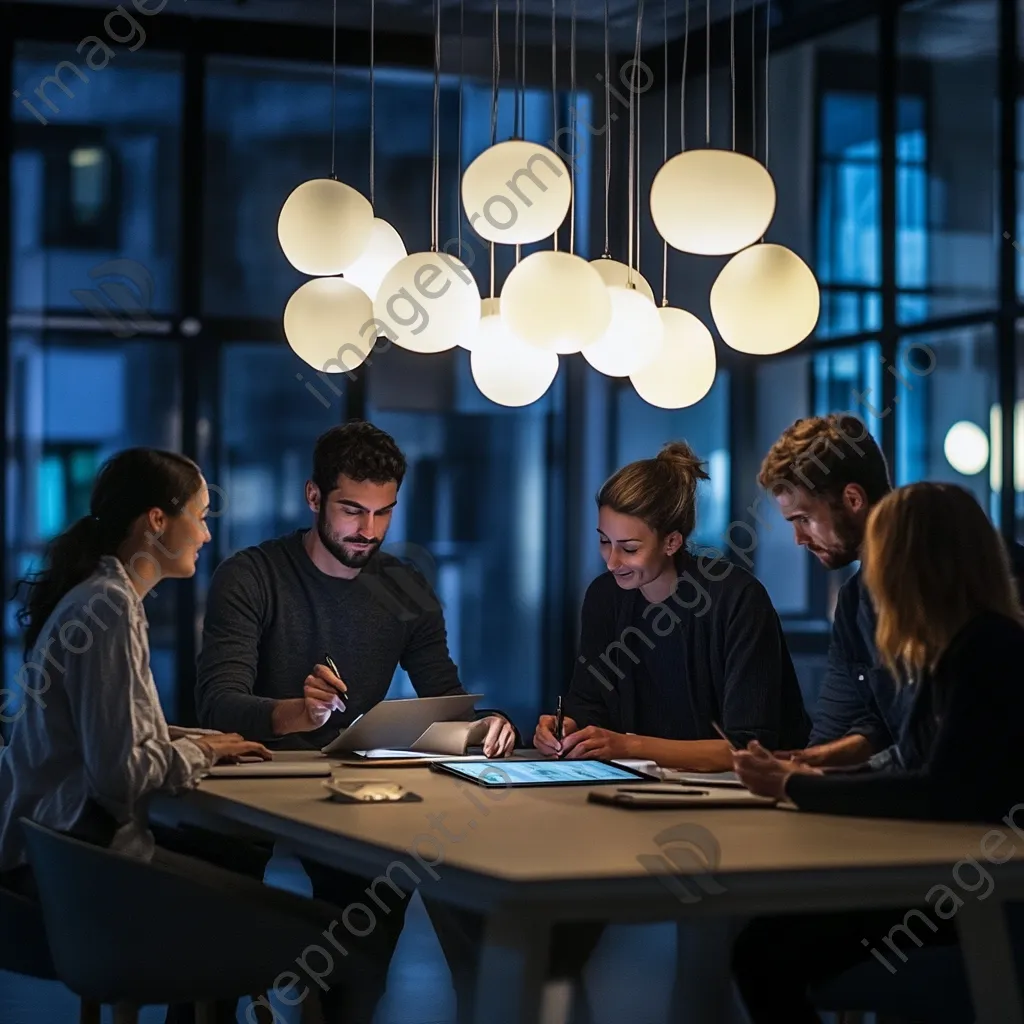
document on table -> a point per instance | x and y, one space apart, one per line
383 754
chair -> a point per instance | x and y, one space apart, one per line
931 986
130 933
23 945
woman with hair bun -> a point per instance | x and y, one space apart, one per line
672 643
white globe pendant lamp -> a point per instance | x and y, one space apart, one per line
682 372
765 300
324 226
516 192
556 301
712 201
382 252
427 302
635 331
329 324
507 370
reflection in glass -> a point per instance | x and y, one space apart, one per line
72 406
948 380
96 179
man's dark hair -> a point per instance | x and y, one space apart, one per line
360 451
822 454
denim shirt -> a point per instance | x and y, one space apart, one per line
89 734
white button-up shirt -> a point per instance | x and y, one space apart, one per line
88 723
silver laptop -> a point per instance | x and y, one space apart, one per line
398 724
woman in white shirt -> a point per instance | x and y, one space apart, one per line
89 741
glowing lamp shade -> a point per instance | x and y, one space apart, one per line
712 201
765 300
427 302
682 373
506 370
966 448
324 226
635 332
329 324
556 301
382 252
516 192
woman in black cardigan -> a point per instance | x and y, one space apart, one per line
671 642
949 624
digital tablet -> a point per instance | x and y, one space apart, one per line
541 773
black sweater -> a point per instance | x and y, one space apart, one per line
968 726
271 615
733 665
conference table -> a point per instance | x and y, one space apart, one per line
529 858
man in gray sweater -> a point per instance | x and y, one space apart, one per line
275 614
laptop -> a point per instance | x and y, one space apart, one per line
398 724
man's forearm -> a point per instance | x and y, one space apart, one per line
685 755
849 750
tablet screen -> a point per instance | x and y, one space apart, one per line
540 773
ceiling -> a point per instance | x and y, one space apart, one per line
415 16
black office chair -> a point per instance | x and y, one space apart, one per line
931 986
130 933
24 948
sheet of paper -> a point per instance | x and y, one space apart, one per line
381 752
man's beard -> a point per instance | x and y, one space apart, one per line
849 536
350 559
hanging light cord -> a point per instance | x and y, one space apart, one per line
554 94
682 86
607 129
373 97
515 56
664 142
572 144
462 80
495 73
633 257
334 82
732 66
707 72
767 42
436 182
753 78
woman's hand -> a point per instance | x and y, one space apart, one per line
764 774
229 747
592 742
544 735
500 737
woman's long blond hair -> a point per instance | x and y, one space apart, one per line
932 562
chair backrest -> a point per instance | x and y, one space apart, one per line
23 945
125 930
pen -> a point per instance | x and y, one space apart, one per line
559 720
330 664
721 732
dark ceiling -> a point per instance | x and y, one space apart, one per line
414 16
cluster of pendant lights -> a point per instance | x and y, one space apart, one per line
707 201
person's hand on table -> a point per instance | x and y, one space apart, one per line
764 774
322 692
500 737
593 742
544 735
229 747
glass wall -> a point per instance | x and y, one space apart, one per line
71 405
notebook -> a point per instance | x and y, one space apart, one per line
270 770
